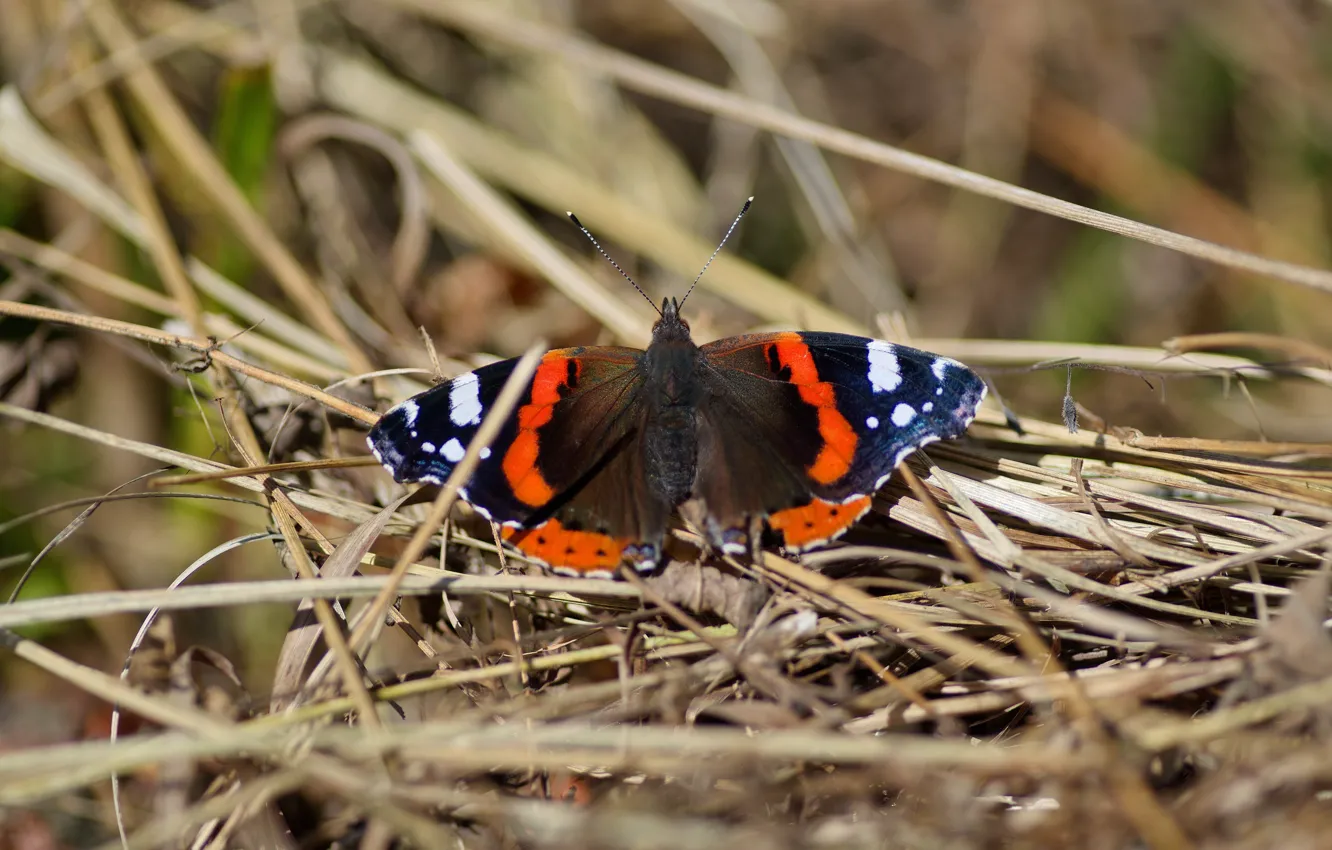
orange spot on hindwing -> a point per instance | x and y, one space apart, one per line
817 522
839 438
520 461
567 549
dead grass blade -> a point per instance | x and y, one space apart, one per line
159 105
208 348
478 19
304 634
80 606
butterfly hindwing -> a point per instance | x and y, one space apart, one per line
596 507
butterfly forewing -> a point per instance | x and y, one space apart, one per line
896 398
572 408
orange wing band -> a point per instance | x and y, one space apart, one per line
839 438
520 461
817 522
565 549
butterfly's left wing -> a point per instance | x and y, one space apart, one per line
564 473
818 421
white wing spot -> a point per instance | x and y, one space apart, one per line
409 411
428 447
903 414
872 422
927 406
485 453
465 400
453 450
939 366
885 373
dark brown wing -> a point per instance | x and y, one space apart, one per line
809 425
563 472
754 448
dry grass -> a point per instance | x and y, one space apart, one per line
224 230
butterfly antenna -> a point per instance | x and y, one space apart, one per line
622 272
729 230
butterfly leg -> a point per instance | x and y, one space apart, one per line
716 538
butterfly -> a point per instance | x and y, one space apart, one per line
794 431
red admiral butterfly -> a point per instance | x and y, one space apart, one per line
797 429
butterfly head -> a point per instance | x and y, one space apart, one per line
670 327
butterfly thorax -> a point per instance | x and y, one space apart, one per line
670 424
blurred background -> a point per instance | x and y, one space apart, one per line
1208 119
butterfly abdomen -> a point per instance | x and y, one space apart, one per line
670 453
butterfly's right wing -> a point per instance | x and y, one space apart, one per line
816 422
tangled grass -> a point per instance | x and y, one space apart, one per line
1042 636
